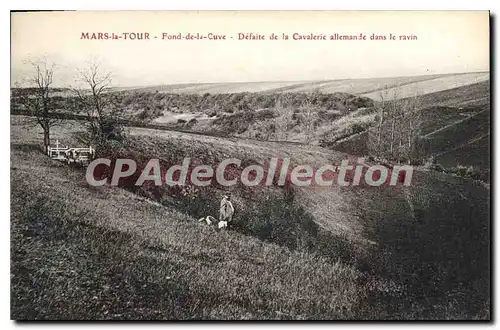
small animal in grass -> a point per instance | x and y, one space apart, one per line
226 212
208 219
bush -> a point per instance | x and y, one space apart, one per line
108 130
143 114
358 128
113 130
278 221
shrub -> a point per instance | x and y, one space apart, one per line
357 128
279 221
143 114
108 130
113 130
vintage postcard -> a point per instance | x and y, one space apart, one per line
250 165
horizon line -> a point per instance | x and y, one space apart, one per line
300 81
277 81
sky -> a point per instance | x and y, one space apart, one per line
447 42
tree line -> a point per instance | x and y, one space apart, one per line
396 133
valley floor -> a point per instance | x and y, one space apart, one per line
81 252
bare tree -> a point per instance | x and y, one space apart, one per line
383 97
413 120
94 99
36 97
308 118
378 141
396 134
395 109
284 118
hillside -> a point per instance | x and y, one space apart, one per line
145 261
445 100
428 86
370 87
328 116
368 252
456 127
337 115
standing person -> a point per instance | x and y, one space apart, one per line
226 210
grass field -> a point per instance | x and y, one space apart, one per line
114 253
370 87
107 254
458 134
476 152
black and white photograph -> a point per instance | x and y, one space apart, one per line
250 165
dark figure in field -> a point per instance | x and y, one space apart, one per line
226 211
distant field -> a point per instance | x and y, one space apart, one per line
438 117
367 87
214 88
431 85
358 86
473 95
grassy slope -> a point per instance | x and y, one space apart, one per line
431 237
81 253
461 140
457 134
456 126
475 152
474 95
333 218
